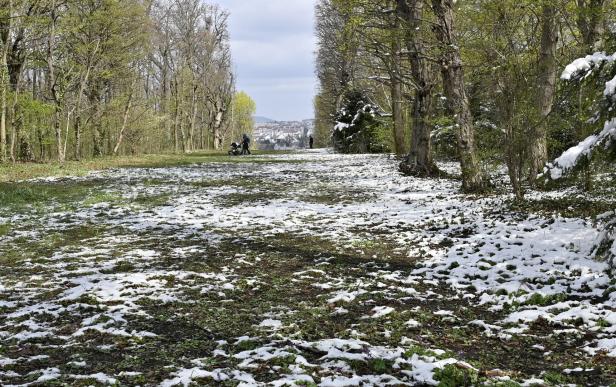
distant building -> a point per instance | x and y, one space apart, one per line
283 135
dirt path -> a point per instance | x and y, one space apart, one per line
309 269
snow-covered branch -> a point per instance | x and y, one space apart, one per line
580 69
572 156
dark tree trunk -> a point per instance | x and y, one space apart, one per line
98 135
397 103
457 100
546 85
419 161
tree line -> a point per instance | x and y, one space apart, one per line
473 80
86 78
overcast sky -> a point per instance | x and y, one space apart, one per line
273 49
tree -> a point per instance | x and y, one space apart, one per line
419 162
338 45
244 109
590 22
6 17
125 76
546 85
457 100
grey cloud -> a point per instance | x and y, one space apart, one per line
273 48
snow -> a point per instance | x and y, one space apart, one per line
100 377
610 87
607 346
453 252
269 323
340 126
571 157
584 65
381 311
48 375
345 296
185 377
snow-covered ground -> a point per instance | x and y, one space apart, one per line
310 268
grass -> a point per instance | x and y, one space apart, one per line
31 195
189 327
24 171
570 207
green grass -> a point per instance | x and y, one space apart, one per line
23 171
5 229
152 200
102 197
571 207
454 376
540 300
19 196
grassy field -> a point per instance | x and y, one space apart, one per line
22 171
300 269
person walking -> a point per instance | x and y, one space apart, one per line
311 142
246 145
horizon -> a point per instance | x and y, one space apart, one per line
257 116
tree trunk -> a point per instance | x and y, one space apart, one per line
419 162
457 100
217 125
125 118
15 125
193 119
169 131
58 131
3 112
52 86
68 126
202 139
5 35
82 89
397 103
590 18
95 102
515 146
546 85
77 126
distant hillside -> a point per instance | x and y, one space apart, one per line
263 120
283 134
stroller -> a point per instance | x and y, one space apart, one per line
236 149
